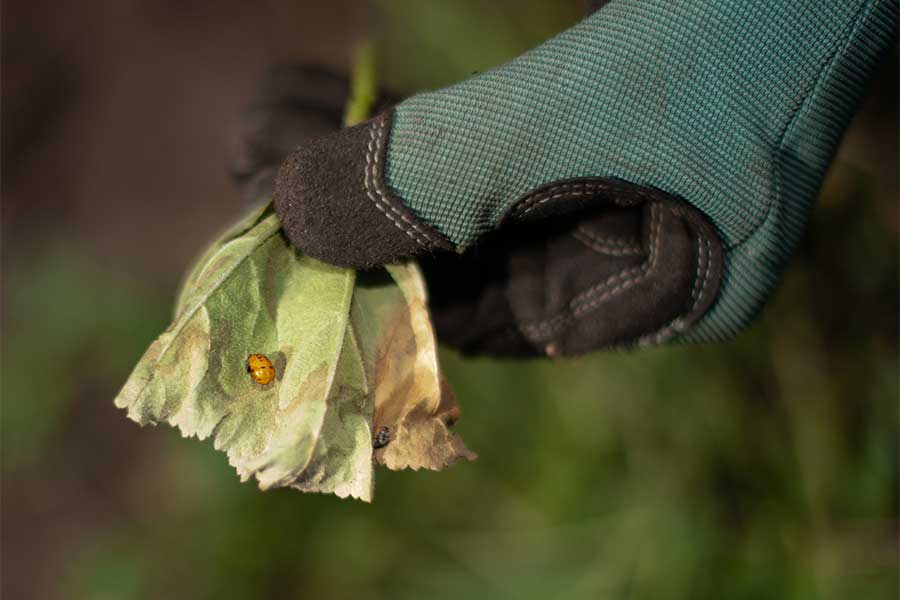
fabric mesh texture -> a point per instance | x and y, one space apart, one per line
736 107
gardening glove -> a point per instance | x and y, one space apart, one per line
640 177
294 103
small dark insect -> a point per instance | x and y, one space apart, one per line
381 440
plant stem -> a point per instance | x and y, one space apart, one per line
363 87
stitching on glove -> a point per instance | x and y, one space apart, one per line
678 324
634 275
586 301
697 292
704 256
569 190
410 228
605 245
704 262
550 326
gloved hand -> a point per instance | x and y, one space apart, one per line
295 103
643 175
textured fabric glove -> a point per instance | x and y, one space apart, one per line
641 176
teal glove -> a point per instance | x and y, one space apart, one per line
642 176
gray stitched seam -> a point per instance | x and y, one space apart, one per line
579 305
581 189
609 246
379 186
697 294
605 239
371 178
677 324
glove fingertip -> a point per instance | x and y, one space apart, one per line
334 205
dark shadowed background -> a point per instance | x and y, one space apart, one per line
765 468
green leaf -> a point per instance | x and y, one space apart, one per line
252 293
345 356
238 229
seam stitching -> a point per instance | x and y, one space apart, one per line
676 325
606 245
374 149
585 302
569 190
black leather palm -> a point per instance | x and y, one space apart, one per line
628 271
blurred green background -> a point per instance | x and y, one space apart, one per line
765 468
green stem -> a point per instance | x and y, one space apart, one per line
363 87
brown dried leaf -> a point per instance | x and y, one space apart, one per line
414 407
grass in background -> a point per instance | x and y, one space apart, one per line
765 468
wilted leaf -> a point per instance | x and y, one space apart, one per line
414 408
343 355
252 293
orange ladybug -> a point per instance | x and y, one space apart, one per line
260 368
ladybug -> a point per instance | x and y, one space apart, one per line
260 368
